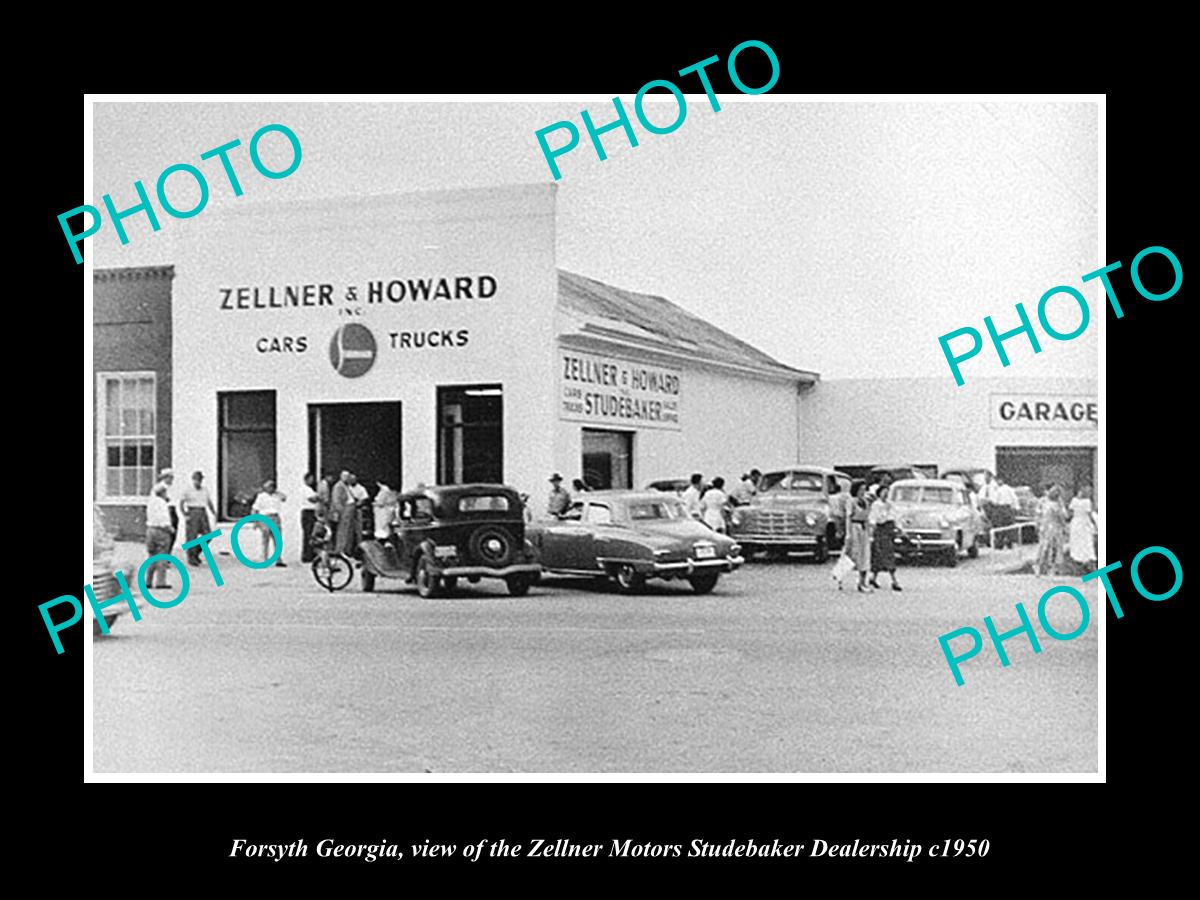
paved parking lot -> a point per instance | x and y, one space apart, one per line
776 671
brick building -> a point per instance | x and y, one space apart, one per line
131 391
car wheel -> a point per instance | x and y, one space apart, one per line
822 552
518 585
368 580
492 546
629 579
429 585
704 582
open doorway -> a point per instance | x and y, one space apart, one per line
607 459
363 438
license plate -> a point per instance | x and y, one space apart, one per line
704 552
444 552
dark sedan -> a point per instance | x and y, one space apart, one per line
631 537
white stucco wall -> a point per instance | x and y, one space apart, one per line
506 233
932 420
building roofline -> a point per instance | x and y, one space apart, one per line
133 273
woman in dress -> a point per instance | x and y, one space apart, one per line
858 545
714 504
1082 547
883 539
1052 527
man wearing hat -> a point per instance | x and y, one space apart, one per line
166 478
560 498
160 536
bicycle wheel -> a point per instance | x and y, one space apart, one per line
334 573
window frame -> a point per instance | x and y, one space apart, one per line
101 436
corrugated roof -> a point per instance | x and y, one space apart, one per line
666 321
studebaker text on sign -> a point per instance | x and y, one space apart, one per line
607 390
1076 411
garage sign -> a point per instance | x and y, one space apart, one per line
1052 411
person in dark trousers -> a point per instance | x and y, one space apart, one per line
310 499
883 539
196 503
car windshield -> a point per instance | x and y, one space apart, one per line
483 503
905 494
939 495
648 510
791 481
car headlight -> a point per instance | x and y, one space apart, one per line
810 519
736 518
944 522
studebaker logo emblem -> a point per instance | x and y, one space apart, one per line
352 350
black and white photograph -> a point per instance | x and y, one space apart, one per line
504 436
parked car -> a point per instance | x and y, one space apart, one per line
632 536
971 477
671 485
793 511
104 579
444 533
1027 512
899 472
934 517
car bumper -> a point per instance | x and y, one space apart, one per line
688 566
922 543
488 571
775 540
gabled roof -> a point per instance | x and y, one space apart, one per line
668 323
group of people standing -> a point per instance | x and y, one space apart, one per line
712 505
1065 530
194 508
870 547
333 511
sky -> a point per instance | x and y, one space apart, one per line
841 238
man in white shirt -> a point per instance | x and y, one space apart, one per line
1004 510
310 496
269 503
743 493
159 534
691 496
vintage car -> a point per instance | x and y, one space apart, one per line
899 472
973 477
669 485
104 580
935 518
794 510
444 533
631 536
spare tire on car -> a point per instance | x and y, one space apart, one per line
492 546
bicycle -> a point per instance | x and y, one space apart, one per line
333 571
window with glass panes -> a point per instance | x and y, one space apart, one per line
128 448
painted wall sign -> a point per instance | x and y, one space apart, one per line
605 390
1058 411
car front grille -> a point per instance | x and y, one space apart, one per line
925 535
770 522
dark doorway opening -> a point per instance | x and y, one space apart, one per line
363 438
245 449
607 459
1070 467
471 434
